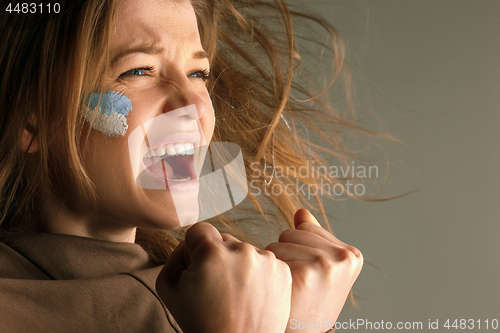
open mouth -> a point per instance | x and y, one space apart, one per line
172 162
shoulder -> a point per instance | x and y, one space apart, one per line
14 264
61 283
67 257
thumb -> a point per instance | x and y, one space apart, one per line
170 276
304 215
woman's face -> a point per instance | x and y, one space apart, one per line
158 62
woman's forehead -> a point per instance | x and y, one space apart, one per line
154 17
154 22
150 5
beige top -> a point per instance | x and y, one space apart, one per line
60 283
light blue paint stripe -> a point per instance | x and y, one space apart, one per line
109 103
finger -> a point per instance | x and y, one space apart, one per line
229 238
289 252
172 271
308 227
311 244
294 253
234 244
311 239
304 215
230 242
200 234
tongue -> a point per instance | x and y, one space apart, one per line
168 172
182 166
159 167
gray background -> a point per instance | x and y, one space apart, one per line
431 70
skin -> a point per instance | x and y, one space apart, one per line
323 268
175 51
212 282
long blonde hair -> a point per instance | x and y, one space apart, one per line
265 103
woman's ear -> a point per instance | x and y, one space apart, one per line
29 139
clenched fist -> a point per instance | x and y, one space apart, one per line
212 282
323 271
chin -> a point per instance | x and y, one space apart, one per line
187 211
173 210
187 218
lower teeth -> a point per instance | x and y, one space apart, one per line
180 179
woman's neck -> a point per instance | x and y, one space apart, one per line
59 219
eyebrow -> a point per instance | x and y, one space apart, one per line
152 50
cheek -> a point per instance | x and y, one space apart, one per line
107 112
208 119
208 125
104 155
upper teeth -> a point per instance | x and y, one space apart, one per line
172 150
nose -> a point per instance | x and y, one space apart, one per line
184 93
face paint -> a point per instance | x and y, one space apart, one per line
107 112
201 181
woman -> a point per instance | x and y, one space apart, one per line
84 242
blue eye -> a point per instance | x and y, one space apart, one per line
143 71
137 71
204 75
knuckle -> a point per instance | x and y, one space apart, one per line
245 248
268 255
304 275
344 254
285 235
248 252
287 276
350 260
305 226
328 267
271 247
228 237
197 227
361 259
356 252
284 270
210 248
225 235
325 264
357 260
